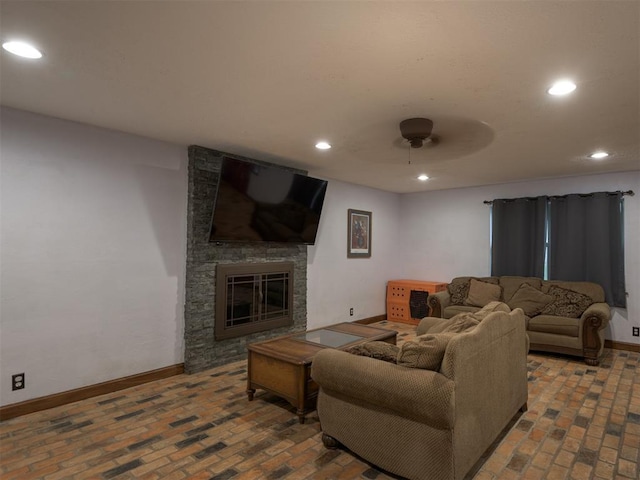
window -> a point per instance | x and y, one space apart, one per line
577 237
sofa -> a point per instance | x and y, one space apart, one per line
428 422
561 317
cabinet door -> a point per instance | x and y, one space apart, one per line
398 311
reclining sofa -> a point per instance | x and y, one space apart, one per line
427 423
561 317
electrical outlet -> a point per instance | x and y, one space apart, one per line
636 331
351 312
17 381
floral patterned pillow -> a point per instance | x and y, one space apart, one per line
458 290
566 303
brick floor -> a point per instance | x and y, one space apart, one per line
583 423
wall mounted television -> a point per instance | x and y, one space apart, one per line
262 203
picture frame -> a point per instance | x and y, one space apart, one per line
358 234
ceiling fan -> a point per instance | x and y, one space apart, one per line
418 131
446 138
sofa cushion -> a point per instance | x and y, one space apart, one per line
530 300
566 303
481 293
380 350
553 324
459 288
510 285
426 352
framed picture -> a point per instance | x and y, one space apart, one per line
359 234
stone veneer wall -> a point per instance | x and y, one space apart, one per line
202 351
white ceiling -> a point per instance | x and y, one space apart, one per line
268 79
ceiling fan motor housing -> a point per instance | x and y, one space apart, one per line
416 130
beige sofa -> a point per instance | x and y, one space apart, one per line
561 317
424 424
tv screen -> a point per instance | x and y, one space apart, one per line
257 203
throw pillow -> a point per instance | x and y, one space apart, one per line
461 323
566 303
426 352
481 293
530 300
384 351
458 290
510 285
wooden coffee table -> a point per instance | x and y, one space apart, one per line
283 365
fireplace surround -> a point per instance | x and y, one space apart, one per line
202 349
252 297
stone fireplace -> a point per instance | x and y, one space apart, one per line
205 347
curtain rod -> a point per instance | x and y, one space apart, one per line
631 193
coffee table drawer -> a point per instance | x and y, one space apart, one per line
273 374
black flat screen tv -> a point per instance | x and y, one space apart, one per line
258 203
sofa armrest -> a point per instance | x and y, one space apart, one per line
421 395
438 302
594 319
599 313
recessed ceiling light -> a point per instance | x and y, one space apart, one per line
599 155
423 177
562 87
22 49
323 146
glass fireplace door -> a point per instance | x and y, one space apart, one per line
252 298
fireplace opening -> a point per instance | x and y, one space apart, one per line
252 297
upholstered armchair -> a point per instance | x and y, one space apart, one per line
420 423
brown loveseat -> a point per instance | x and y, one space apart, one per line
426 424
561 317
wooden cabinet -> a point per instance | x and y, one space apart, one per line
402 295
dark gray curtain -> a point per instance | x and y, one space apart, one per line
518 236
586 242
